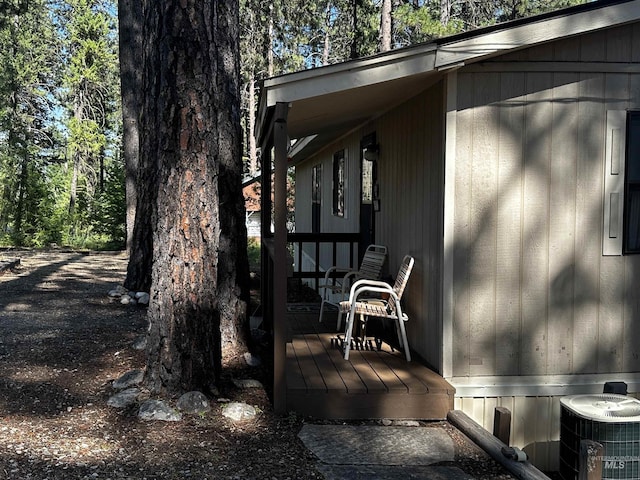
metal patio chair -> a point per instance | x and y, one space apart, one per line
361 303
370 268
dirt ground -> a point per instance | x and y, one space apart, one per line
63 342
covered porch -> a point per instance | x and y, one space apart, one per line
311 377
371 384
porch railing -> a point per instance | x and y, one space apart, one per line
335 244
308 248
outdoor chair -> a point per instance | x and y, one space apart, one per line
370 268
386 306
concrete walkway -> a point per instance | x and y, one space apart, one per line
348 452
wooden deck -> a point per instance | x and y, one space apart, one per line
371 384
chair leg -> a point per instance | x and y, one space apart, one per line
348 332
321 309
403 334
339 319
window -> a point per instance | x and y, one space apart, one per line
339 183
316 198
632 186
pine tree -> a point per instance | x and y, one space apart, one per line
191 129
27 81
88 82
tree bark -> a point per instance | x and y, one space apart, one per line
385 26
191 112
445 12
140 176
129 25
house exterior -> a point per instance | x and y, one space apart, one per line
251 194
506 165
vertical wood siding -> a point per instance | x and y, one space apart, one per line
533 294
410 174
535 424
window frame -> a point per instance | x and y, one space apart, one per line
632 143
316 198
339 176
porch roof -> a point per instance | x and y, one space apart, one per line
327 102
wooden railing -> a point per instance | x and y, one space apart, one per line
270 266
298 241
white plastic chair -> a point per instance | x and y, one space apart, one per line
370 268
378 307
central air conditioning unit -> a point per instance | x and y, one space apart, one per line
609 419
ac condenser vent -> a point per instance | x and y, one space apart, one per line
605 407
609 419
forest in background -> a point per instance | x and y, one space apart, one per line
62 178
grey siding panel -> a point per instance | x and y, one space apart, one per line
588 220
531 286
509 218
303 196
483 226
462 234
410 175
562 217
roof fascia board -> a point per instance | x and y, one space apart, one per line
350 75
530 34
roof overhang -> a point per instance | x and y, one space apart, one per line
327 102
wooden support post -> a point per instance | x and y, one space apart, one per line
281 147
590 466
502 424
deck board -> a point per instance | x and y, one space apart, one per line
295 379
312 376
371 384
330 374
352 381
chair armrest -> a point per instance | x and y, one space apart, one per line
374 286
330 270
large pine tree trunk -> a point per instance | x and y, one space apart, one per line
199 288
130 46
140 176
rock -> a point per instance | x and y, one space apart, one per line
140 343
158 410
247 383
133 377
124 398
252 360
194 402
406 423
142 298
127 300
238 412
119 291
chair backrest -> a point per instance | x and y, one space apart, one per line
372 262
403 275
